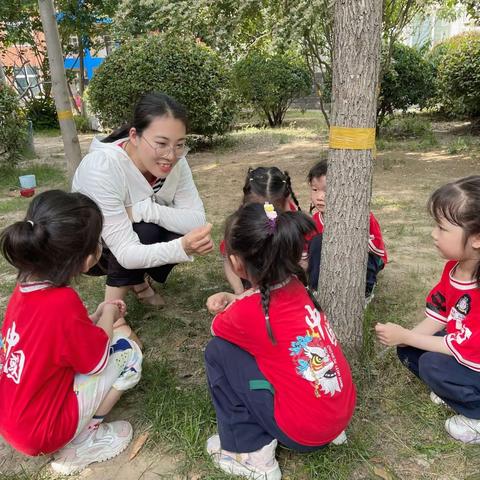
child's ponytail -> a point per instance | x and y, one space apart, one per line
22 244
59 232
290 190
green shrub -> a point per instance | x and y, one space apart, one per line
190 72
459 75
42 113
13 127
82 124
459 145
269 82
407 82
406 126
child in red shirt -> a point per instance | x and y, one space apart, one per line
444 349
263 184
377 255
275 369
61 371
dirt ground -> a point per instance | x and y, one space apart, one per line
403 180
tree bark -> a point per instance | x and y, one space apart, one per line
59 86
3 79
356 62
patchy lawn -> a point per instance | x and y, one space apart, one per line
397 433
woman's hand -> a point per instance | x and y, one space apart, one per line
198 241
390 334
218 302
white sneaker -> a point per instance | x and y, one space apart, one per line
341 439
104 442
467 430
259 465
436 399
368 300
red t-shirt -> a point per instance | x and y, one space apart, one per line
318 220
47 337
457 305
376 244
314 394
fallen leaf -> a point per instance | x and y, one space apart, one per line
137 445
382 473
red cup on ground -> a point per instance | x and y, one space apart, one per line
27 192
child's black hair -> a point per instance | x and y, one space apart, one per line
270 253
318 170
149 107
268 184
52 243
459 203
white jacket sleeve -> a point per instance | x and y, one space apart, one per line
186 212
106 186
125 245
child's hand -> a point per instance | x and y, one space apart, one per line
120 304
217 302
390 334
122 307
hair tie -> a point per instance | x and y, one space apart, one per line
271 216
31 223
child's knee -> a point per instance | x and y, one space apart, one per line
128 353
431 368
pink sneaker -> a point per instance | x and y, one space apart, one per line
104 442
259 465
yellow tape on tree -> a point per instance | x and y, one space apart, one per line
346 138
65 115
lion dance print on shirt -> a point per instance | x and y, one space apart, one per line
314 356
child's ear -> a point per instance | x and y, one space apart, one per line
89 262
475 240
238 266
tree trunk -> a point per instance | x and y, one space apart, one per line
3 79
356 62
59 87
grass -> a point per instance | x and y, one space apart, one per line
396 433
46 176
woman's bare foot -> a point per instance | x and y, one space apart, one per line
147 295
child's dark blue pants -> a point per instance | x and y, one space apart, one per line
243 400
457 385
374 265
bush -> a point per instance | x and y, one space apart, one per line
407 82
13 127
459 75
406 126
190 72
42 113
82 124
269 82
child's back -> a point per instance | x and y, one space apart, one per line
48 336
276 372
305 366
61 370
